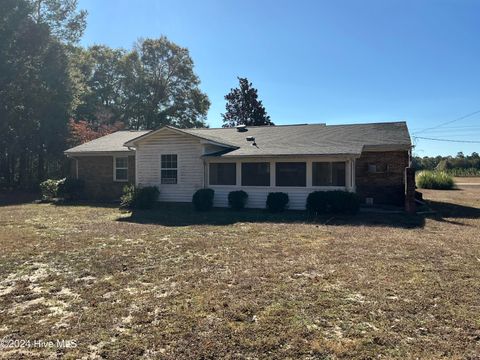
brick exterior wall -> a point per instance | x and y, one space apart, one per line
388 186
97 172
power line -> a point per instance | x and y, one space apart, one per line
447 140
446 128
449 122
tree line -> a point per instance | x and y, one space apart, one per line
458 165
55 93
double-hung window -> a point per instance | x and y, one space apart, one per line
169 169
120 169
328 173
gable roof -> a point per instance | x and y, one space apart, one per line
210 137
109 143
313 139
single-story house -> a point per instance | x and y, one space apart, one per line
369 159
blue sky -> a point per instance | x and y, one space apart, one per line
332 61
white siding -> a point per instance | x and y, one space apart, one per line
190 164
257 196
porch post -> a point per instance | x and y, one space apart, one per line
348 175
353 187
238 180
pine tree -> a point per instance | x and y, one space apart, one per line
244 108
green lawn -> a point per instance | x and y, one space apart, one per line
177 284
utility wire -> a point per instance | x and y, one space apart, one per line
449 122
447 140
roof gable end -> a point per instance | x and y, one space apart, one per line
208 139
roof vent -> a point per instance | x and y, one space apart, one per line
251 139
241 128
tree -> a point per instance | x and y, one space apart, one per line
161 88
34 95
244 108
98 76
82 131
65 22
443 165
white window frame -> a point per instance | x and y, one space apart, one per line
115 168
176 169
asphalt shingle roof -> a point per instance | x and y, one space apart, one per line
108 143
314 139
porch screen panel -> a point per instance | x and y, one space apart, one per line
256 174
321 174
328 173
338 173
222 173
291 174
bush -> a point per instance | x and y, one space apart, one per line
237 199
318 202
434 180
127 198
139 198
71 189
334 202
344 202
277 201
49 189
203 199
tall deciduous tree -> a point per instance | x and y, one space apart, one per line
62 17
98 76
82 131
34 94
244 108
161 88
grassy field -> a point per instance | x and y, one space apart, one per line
179 285
467 180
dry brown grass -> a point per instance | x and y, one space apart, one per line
377 286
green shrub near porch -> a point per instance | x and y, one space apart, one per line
203 199
139 198
237 199
277 201
333 202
